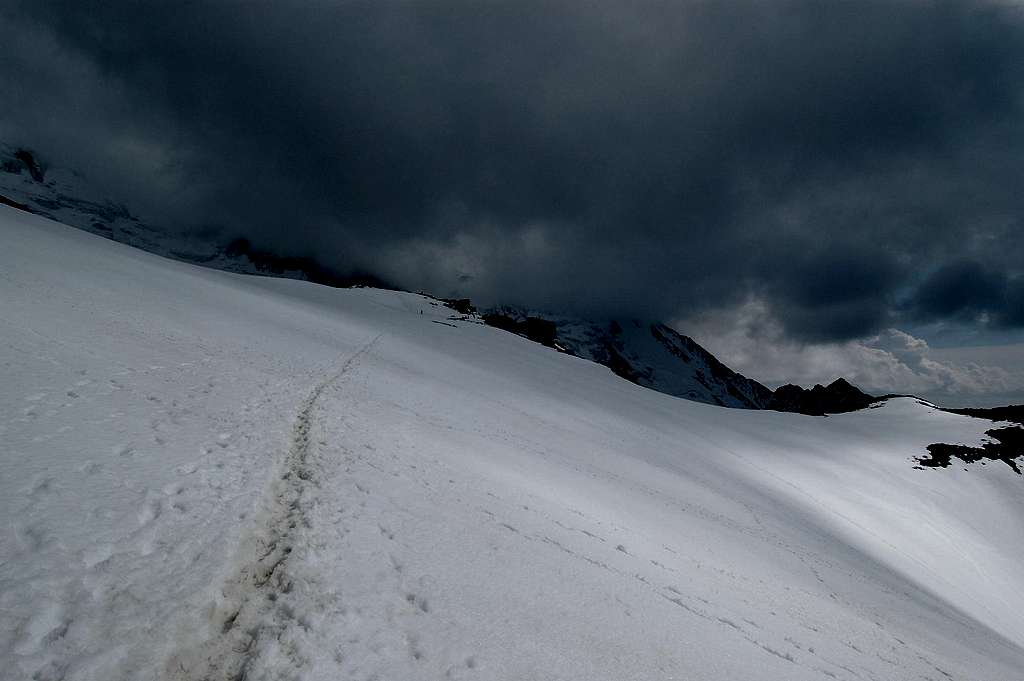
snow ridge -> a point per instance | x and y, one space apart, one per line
253 610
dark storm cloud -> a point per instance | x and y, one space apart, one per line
834 293
1013 309
960 288
660 160
969 290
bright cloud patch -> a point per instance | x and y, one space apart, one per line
751 341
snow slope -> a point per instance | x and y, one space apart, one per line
211 475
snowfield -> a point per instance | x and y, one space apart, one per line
217 476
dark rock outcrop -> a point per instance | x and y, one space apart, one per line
537 329
1014 413
1005 444
460 305
12 203
269 263
35 170
835 398
22 159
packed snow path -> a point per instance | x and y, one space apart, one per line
256 600
213 476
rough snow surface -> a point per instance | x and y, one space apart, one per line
213 476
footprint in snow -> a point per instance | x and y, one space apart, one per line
150 510
41 486
146 542
46 625
90 468
173 488
419 601
187 468
97 554
34 537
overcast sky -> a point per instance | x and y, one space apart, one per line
809 188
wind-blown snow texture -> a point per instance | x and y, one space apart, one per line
208 475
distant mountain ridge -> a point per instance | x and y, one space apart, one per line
837 397
656 356
650 354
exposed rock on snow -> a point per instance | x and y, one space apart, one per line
835 398
1005 444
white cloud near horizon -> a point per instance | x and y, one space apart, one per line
749 340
